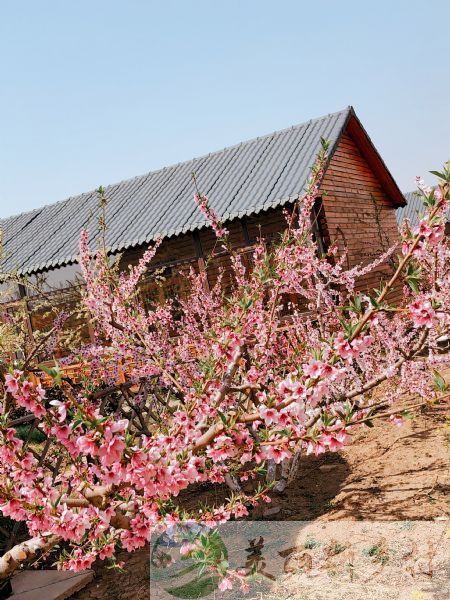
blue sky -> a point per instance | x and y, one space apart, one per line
96 91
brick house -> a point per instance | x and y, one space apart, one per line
249 185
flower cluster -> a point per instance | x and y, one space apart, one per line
211 217
422 312
27 394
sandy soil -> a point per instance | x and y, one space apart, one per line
385 474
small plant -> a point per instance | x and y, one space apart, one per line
311 543
335 548
378 552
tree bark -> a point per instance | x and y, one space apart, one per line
24 552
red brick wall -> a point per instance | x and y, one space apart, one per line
359 214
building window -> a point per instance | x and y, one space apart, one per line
320 227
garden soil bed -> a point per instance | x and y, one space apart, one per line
386 474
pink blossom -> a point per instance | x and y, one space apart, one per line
240 511
26 388
40 391
62 409
276 454
27 402
362 343
314 369
12 383
61 432
87 444
107 551
331 441
437 234
433 233
292 388
119 426
343 347
213 219
397 420
270 416
111 452
226 584
187 547
28 461
171 519
341 436
38 410
422 313
405 248
315 448
13 509
223 448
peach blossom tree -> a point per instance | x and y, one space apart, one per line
225 387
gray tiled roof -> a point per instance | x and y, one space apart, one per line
413 208
240 180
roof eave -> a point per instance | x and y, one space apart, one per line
367 148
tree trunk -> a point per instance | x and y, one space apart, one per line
24 552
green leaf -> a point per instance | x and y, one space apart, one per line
438 174
373 302
222 417
413 277
51 372
348 327
439 382
184 571
406 414
54 372
198 588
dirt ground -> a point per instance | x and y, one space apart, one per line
386 474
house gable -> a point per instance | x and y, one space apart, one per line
360 201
